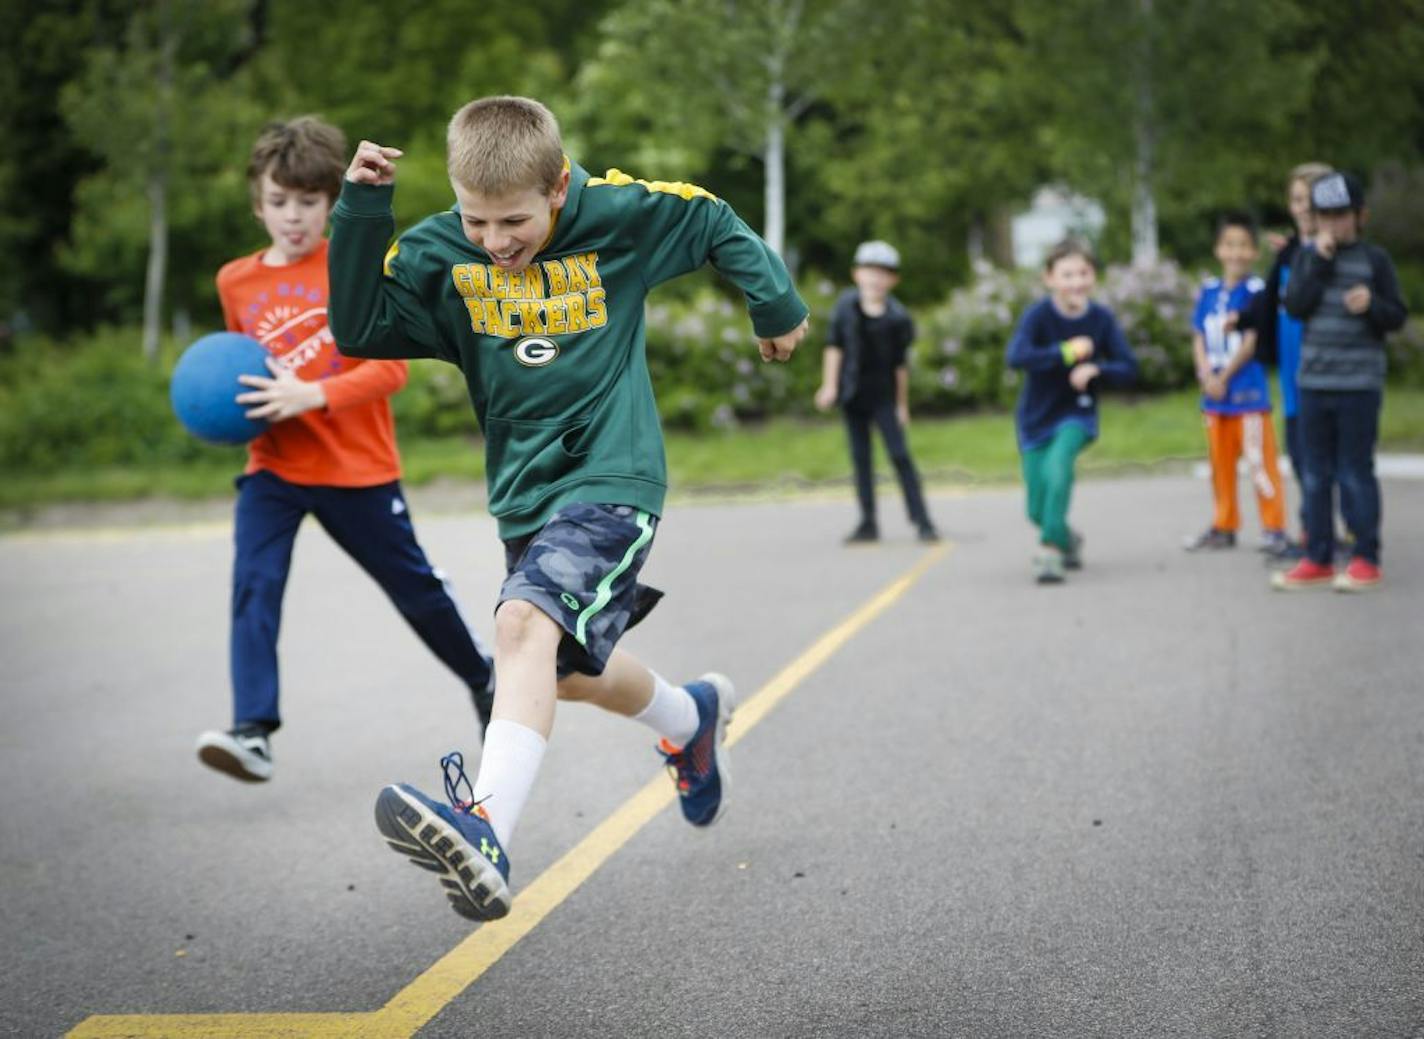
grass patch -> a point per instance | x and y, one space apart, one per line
1146 433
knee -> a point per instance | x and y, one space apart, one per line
1314 481
520 627
1055 485
256 590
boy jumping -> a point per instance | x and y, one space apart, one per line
533 285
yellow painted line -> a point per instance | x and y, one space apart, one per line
223 1026
433 990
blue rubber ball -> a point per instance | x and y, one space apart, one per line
205 384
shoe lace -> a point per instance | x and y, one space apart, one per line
678 765
454 766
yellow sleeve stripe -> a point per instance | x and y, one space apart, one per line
390 255
618 179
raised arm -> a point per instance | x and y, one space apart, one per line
375 309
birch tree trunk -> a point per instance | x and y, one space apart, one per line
158 187
774 188
157 262
1144 203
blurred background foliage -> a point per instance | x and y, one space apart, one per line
925 122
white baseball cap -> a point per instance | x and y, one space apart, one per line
877 254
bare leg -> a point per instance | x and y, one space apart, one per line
625 687
526 648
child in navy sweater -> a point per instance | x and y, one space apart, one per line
1067 346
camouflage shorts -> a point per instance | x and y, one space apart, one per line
581 568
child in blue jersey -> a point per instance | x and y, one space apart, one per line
1278 334
1067 346
1236 398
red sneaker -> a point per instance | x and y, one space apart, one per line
1360 576
1304 574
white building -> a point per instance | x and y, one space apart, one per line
1054 214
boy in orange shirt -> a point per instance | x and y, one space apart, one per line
330 450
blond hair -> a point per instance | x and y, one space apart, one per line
301 154
500 145
1309 172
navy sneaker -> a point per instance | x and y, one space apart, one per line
700 768
454 840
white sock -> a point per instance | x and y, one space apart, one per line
508 767
672 712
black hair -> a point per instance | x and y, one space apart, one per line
1236 218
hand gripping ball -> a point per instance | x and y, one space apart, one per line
205 384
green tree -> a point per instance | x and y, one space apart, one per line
927 138
1166 110
42 163
157 109
753 72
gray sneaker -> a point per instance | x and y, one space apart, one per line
243 753
1073 558
1048 567
1210 540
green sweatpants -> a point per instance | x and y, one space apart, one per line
1048 473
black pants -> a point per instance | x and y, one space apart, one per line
858 421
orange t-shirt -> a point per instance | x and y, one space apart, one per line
352 441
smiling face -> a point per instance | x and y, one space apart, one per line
512 227
1235 251
294 217
1070 281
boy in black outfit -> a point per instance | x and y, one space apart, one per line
864 371
1346 293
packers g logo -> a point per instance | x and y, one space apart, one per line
535 352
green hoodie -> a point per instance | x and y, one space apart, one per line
554 355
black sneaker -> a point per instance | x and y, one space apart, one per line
1210 540
926 532
864 534
1073 557
243 753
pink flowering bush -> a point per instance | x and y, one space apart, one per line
959 357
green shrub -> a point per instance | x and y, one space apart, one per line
959 359
92 403
96 402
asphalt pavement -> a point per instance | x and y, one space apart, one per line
1160 800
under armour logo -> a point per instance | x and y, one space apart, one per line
489 851
397 506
